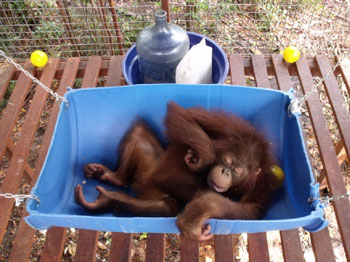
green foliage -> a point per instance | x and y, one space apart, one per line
269 13
78 83
49 29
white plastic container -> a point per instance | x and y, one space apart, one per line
196 66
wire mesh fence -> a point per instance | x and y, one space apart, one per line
65 28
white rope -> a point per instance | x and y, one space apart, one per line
35 80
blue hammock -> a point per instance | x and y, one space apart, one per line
90 129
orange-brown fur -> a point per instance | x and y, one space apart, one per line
165 180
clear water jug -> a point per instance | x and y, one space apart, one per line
160 48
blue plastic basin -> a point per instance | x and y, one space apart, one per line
130 65
91 128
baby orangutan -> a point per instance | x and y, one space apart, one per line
216 165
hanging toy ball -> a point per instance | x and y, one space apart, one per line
279 174
291 54
38 58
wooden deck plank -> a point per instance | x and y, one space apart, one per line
86 246
114 75
92 72
28 171
345 71
257 247
21 152
282 75
259 239
87 239
322 246
237 70
189 251
260 71
6 73
54 243
336 100
261 80
328 155
223 245
155 247
341 154
14 105
24 238
121 242
120 247
291 245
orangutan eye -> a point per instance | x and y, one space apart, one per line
238 171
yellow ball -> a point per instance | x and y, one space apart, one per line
291 54
38 58
279 174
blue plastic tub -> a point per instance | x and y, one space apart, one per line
130 64
90 130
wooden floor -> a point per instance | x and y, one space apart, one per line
21 124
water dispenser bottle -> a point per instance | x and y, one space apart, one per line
160 48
